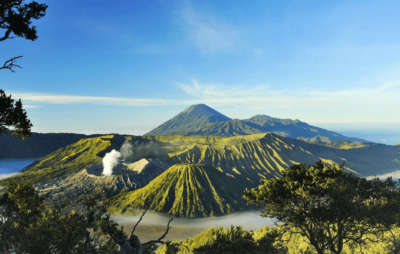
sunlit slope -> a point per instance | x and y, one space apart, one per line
264 155
254 156
374 159
340 144
186 190
70 159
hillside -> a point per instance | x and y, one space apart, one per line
185 190
69 159
264 155
37 145
202 120
75 187
254 156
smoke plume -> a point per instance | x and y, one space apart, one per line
110 161
136 150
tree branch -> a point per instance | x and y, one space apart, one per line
11 63
162 237
137 223
7 35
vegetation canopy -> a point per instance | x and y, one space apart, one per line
13 117
328 206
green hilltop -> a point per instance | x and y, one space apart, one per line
185 190
69 159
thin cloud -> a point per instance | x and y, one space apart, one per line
74 99
266 97
32 106
206 32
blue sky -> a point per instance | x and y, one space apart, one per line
128 66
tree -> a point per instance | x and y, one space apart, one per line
236 240
27 225
328 206
15 18
13 117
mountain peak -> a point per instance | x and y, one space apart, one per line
191 118
201 110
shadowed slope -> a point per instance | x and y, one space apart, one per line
295 129
187 190
74 188
37 145
203 120
189 119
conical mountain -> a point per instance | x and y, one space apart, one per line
190 119
186 190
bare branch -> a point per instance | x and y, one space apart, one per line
159 240
137 223
11 63
7 35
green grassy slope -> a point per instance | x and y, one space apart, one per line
69 159
254 156
251 157
340 144
186 190
370 160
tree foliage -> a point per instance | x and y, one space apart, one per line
13 117
16 18
27 225
327 205
237 241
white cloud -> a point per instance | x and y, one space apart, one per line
206 32
74 99
32 106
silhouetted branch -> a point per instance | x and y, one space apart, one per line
162 237
11 63
137 223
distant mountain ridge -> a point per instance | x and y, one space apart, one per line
37 145
202 120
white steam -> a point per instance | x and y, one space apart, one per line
126 149
110 161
